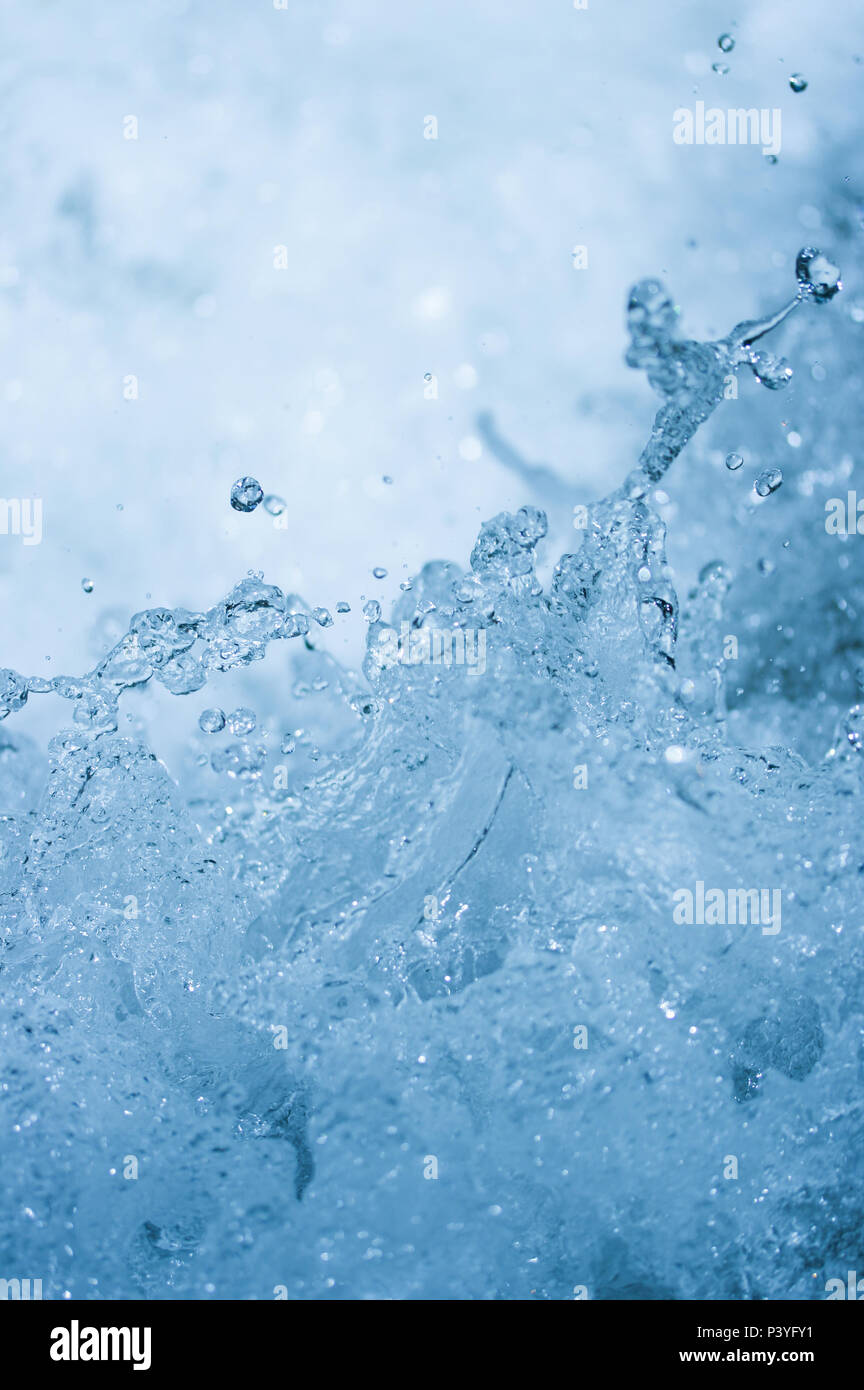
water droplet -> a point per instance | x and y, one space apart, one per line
770 159
387 479
773 372
797 82
295 625
726 43
721 68
343 607
379 572
323 617
211 721
246 494
372 611
768 481
287 745
87 585
733 462
816 275
274 505
242 721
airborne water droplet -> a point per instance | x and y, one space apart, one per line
379 572
295 625
242 721
274 505
211 721
726 43
768 481
773 372
87 585
721 68
797 82
816 275
246 494
733 462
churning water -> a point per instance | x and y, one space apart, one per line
398 1003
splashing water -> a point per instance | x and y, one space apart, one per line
408 1013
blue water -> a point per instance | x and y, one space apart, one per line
358 975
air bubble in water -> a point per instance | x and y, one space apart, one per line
733 462
797 82
246 494
816 275
726 43
768 481
211 721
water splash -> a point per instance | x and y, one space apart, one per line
426 933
